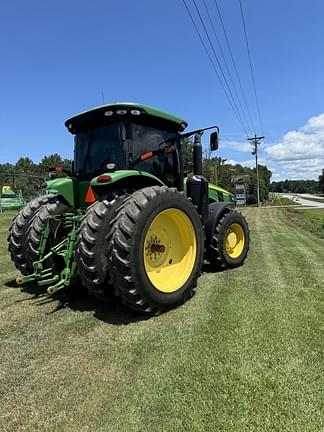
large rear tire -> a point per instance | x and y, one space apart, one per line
157 250
53 206
230 241
94 246
18 237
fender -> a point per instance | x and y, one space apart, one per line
215 212
126 178
64 187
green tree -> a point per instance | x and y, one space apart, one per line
296 186
54 160
187 148
321 181
25 175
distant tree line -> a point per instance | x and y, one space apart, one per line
27 176
321 182
298 186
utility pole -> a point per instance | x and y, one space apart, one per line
256 141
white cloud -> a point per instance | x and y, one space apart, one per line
306 143
300 154
301 169
249 163
244 147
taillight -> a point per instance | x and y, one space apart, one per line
103 179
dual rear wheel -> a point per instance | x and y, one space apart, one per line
26 229
152 249
146 247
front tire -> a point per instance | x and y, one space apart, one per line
157 250
230 241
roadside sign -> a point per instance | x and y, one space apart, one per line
240 195
240 202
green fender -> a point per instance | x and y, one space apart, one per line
215 193
73 191
62 186
130 178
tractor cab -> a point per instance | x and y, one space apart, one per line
127 136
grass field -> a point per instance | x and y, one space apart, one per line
311 220
245 354
277 200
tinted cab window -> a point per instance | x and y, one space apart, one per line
165 166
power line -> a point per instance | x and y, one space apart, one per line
208 54
238 115
213 64
234 65
226 65
251 67
220 66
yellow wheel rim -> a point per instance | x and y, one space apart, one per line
234 240
170 250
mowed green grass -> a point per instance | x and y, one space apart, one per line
245 354
311 220
281 201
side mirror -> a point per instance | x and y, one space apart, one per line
214 140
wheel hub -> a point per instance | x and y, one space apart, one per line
232 240
155 251
156 248
169 250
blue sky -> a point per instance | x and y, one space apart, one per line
58 58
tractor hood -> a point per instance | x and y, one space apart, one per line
109 113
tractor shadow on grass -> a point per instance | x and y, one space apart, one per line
77 298
210 268
29 288
111 311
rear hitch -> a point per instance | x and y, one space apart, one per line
57 278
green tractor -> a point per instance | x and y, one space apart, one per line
10 199
127 221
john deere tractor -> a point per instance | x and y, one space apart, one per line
10 199
127 221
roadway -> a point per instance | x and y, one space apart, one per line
302 199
